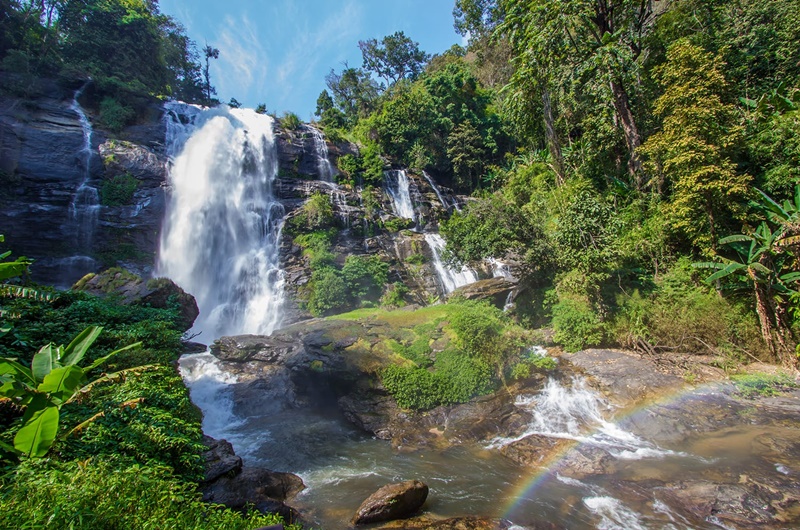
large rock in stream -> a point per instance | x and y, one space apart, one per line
393 501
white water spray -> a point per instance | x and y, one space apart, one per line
398 186
435 189
221 235
449 278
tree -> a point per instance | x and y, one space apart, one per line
466 151
209 53
396 57
763 265
692 151
594 43
354 93
326 111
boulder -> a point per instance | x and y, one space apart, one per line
393 501
220 459
496 290
131 289
257 486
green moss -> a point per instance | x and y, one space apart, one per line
118 190
762 385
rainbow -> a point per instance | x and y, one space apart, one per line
526 487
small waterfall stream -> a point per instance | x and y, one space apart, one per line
85 205
325 169
449 278
398 187
222 230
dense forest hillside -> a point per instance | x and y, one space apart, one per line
639 160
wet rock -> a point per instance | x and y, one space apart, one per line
393 501
252 486
625 376
131 289
220 459
535 450
455 523
745 506
496 290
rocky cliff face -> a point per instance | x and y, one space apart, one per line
42 167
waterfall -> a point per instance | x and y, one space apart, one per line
85 205
221 233
449 278
325 169
398 186
436 189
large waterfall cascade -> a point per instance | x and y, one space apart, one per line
221 234
85 204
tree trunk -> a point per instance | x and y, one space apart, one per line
632 137
553 145
764 319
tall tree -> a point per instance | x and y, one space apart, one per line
396 57
354 92
209 53
692 152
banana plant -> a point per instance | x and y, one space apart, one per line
12 269
53 380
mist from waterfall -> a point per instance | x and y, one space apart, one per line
221 234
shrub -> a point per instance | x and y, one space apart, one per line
416 259
115 115
328 292
291 121
118 190
318 211
477 326
395 224
576 325
365 276
394 295
754 385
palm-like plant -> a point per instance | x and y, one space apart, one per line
766 264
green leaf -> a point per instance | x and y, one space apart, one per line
791 277
735 239
62 383
760 268
708 265
727 271
43 362
9 448
39 428
103 359
80 344
21 373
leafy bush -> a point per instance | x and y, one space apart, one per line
365 276
416 259
576 324
291 121
318 211
115 115
328 292
477 326
395 224
394 295
118 190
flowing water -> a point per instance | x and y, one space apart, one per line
222 229
437 190
325 169
398 187
341 466
450 279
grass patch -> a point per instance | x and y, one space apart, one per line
751 386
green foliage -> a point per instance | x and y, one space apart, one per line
118 190
751 386
395 224
396 57
115 115
365 277
576 324
394 296
318 211
328 293
291 121
53 379
456 378
416 259
111 493
477 326
12 269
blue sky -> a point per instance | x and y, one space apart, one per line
277 52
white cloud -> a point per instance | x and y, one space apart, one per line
242 66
